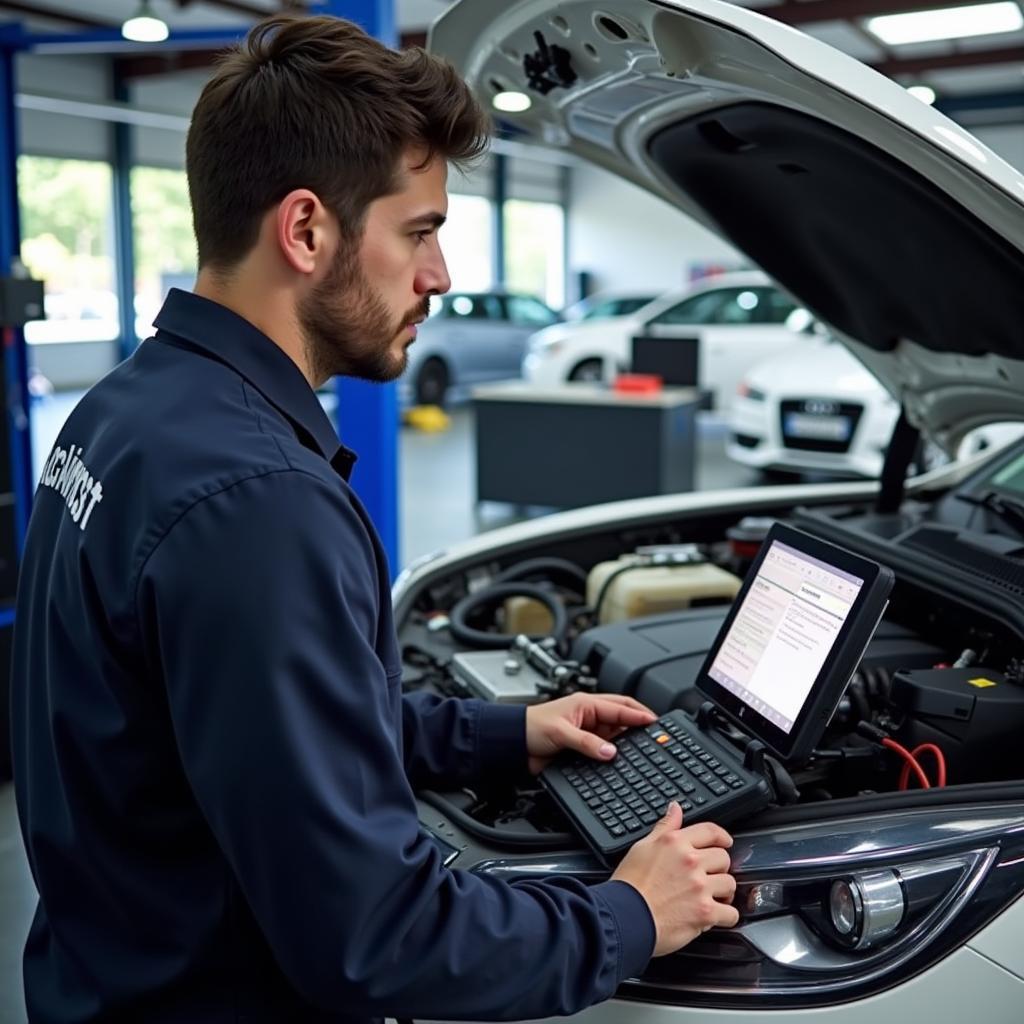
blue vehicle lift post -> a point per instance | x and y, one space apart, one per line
15 353
367 414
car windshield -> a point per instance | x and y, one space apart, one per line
596 310
731 305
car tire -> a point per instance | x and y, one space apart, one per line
432 383
588 369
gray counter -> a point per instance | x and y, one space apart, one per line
582 444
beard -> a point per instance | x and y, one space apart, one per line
347 327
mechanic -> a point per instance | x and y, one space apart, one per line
214 762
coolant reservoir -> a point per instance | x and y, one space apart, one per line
524 615
653 589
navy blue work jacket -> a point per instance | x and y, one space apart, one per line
214 764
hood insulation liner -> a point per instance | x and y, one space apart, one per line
862 240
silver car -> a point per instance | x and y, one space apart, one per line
863 897
471 337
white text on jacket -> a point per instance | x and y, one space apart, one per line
69 476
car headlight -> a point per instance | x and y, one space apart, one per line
836 910
866 909
744 390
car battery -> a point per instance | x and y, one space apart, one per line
644 589
499 676
975 716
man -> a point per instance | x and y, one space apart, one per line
213 758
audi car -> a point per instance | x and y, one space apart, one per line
867 891
815 409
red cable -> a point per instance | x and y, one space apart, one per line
940 761
910 765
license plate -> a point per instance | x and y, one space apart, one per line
817 428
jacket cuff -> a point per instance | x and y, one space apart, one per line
634 924
501 739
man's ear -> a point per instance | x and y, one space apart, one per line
305 230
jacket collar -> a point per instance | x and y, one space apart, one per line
229 338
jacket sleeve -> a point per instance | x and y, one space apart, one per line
451 742
259 609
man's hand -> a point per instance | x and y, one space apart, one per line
683 875
583 722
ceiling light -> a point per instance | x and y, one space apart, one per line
948 23
924 93
144 26
512 102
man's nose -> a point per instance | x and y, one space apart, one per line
433 278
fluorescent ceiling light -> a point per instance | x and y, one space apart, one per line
923 92
144 26
512 102
948 23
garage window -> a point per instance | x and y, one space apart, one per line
67 224
467 241
535 249
165 248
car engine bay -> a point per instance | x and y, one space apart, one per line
634 611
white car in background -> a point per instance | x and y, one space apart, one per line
733 320
815 409
811 408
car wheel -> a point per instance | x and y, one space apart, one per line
589 369
432 383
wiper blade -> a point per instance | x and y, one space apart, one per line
1007 508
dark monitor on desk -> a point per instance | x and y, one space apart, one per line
674 360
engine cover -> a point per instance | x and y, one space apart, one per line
657 659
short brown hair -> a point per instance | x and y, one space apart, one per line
315 102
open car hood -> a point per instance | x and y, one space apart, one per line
886 219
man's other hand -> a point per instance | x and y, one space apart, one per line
683 875
584 722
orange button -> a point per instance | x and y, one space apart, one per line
663 738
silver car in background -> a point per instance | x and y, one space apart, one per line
469 338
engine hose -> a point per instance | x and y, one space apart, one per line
558 570
884 682
536 840
877 682
497 592
607 585
859 698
